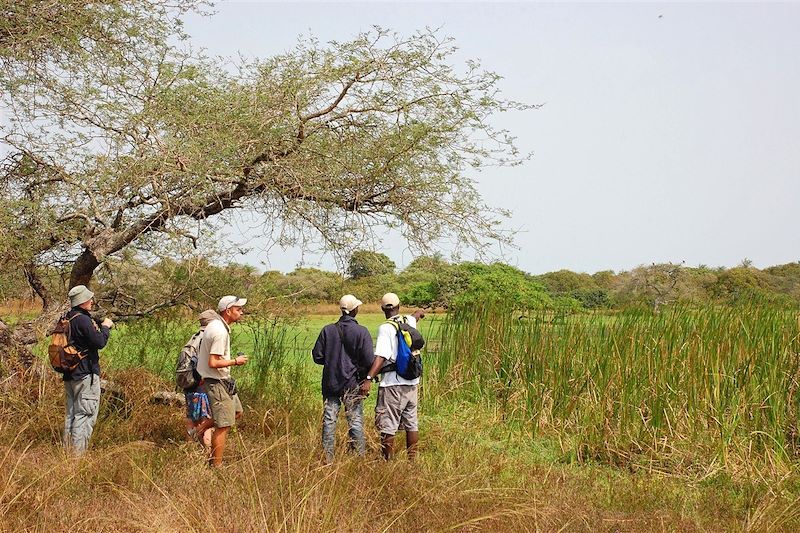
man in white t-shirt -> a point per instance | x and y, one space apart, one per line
396 408
213 365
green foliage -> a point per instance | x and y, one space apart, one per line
739 284
604 279
583 289
125 139
469 284
566 281
365 263
421 294
371 288
311 285
592 298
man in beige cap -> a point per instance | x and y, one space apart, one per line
344 349
213 365
82 383
396 408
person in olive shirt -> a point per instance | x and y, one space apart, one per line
82 384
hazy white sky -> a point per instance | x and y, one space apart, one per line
669 132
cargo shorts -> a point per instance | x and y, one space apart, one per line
223 405
396 409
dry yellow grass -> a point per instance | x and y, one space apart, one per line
141 476
19 307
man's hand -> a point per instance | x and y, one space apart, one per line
240 360
364 387
107 322
419 314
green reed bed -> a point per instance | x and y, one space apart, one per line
149 343
276 368
154 344
710 382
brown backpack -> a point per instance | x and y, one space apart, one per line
64 357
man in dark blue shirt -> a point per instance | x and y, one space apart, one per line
82 384
346 353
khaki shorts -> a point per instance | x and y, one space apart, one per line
396 409
223 406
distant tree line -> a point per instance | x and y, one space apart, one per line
132 287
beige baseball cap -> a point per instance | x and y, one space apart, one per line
349 302
389 301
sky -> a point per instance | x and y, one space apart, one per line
667 132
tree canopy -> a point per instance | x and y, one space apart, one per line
365 263
120 137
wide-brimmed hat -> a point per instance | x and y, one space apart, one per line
79 294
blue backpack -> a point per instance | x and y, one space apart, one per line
409 342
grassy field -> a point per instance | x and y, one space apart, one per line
683 421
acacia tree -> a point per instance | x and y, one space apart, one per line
122 139
365 263
659 283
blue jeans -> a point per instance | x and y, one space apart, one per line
354 411
83 404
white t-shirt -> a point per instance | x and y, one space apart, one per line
386 347
217 340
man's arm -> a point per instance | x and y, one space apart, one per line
373 371
94 336
219 361
318 352
366 351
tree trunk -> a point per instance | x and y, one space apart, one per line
83 269
14 355
14 343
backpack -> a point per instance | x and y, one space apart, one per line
409 343
64 357
186 376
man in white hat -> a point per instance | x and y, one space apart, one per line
396 408
213 365
344 349
82 383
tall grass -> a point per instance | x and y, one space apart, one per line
275 371
139 475
683 389
717 382
154 344
703 387
150 343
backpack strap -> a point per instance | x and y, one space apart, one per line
392 367
68 331
341 339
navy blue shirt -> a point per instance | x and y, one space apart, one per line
346 358
88 338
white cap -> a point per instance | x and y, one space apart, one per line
389 301
227 302
79 294
348 303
